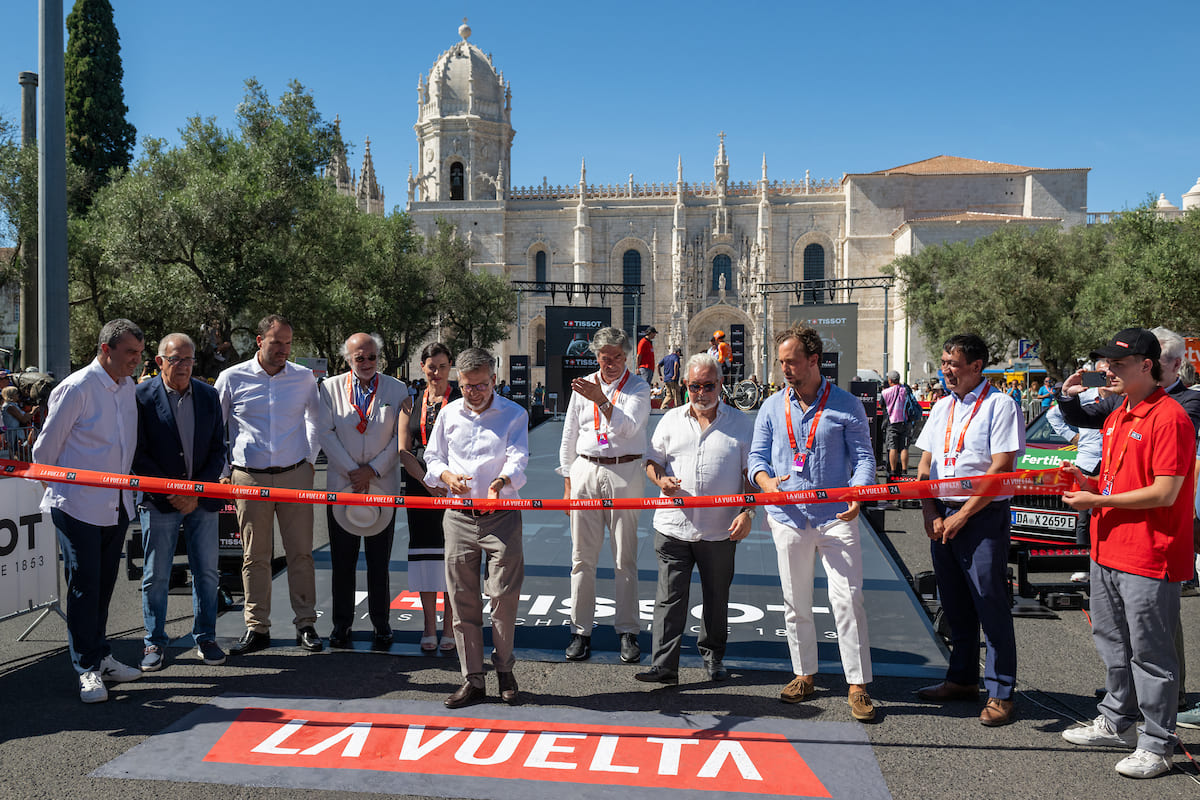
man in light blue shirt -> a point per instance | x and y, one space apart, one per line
814 435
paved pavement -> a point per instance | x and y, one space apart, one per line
50 743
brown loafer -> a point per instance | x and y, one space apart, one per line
860 707
947 691
467 694
996 712
508 687
801 687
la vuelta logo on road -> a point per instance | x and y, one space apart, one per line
706 760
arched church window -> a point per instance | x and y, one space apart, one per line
722 265
632 275
814 270
539 270
456 181
539 359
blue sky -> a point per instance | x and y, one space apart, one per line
825 87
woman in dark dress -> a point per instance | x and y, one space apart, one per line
426 543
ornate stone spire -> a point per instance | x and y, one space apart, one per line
721 162
369 194
338 170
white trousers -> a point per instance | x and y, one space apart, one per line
592 481
837 543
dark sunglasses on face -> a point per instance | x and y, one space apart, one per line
696 388
360 359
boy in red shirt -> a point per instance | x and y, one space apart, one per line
1141 550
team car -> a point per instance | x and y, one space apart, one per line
1043 519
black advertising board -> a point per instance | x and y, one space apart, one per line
838 325
737 344
569 332
518 379
829 366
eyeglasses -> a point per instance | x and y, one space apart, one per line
175 361
360 359
476 387
697 388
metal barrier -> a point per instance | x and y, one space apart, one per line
17 443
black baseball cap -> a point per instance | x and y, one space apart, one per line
1131 341
652 329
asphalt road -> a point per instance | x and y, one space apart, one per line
50 742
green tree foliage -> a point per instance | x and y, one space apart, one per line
475 308
99 138
18 197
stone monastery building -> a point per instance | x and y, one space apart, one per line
702 249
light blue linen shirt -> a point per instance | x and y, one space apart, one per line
842 454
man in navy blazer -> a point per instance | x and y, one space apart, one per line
181 434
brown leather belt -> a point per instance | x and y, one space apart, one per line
271 470
608 461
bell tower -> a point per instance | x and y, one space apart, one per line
464 127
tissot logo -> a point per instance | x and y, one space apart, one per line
706 761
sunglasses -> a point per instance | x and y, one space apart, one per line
696 388
360 359
176 360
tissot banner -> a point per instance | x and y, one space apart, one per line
569 332
28 556
518 379
838 325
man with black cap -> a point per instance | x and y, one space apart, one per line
645 356
1141 549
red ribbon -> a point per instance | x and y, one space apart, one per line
1025 481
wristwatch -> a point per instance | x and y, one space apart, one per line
606 405
751 510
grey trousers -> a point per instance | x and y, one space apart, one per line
468 540
1133 625
676 558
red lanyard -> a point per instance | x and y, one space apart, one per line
950 458
1110 469
603 437
362 418
425 411
799 458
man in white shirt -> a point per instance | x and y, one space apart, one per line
92 423
272 409
479 448
692 454
972 431
603 444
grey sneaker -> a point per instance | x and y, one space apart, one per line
1100 733
1144 764
113 671
152 659
1189 718
210 653
91 687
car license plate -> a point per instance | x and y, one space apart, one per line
1043 520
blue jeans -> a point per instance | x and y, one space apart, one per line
91 559
160 531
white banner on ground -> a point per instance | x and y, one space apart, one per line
28 555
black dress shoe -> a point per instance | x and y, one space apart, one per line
252 641
508 687
307 638
580 648
467 694
631 653
717 671
339 639
381 640
658 675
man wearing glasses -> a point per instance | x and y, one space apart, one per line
271 407
692 453
360 426
814 435
479 448
603 444
181 435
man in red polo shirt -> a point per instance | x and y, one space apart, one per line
1141 549
645 356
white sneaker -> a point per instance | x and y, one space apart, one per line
114 671
91 688
1144 764
1100 733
